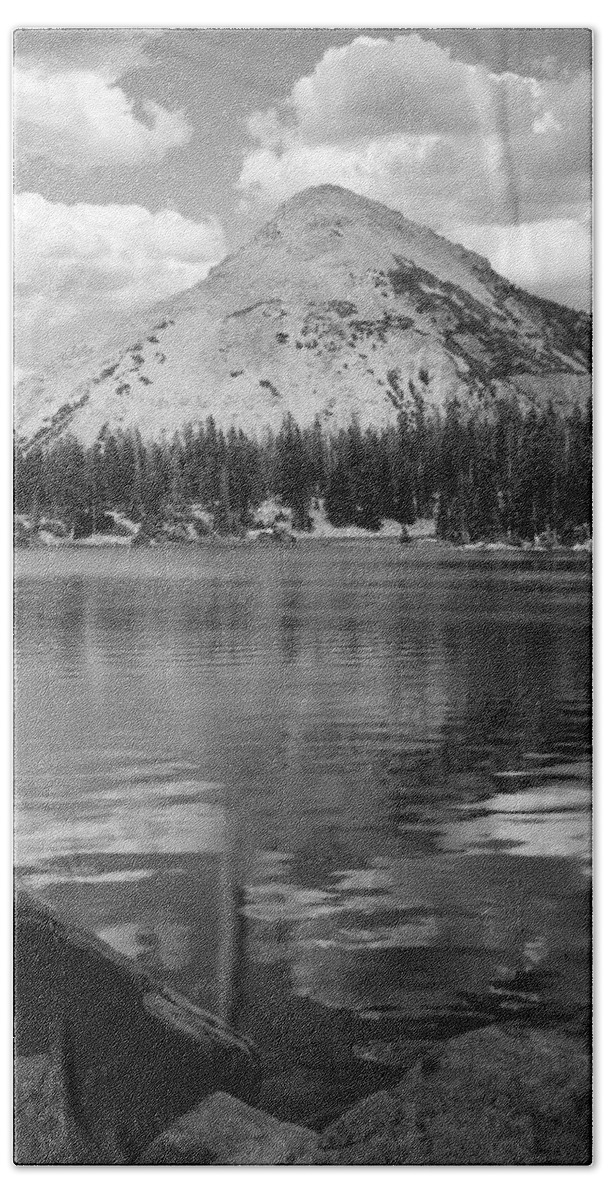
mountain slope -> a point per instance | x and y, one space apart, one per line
332 308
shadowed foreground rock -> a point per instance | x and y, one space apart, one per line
489 1097
45 1130
106 1058
223 1130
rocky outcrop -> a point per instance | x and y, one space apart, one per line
225 1131
46 1133
107 1058
489 1097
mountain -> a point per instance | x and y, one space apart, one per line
337 306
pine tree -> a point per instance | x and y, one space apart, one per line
424 451
223 521
294 472
507 436
452 469
403 474
576 482
548 469
316 448
339 503
156 484
371 499
481 508
527 514
177 478
356 466
210 464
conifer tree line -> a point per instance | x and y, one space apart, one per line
503 473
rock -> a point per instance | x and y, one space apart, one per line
224 1131
489 1097
46 1133
397 1056
300 1095
130 1056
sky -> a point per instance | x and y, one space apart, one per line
142 156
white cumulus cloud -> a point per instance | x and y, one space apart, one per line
75 263
439 138
375 86
555 254
81 119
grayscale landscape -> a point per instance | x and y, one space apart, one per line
303 468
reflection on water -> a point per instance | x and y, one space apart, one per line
339 795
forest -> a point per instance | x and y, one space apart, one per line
501 473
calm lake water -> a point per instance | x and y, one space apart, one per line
339 794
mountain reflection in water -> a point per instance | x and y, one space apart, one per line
340 796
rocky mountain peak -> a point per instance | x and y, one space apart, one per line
337 306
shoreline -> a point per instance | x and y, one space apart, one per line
110 542
274 526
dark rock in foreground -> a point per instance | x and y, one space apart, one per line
106 1058
489 1097
224 1131
46 1133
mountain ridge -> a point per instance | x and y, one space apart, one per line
337 306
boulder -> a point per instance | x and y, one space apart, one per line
492 1096
131 1055
224 1131
45 1132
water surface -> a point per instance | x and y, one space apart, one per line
338 794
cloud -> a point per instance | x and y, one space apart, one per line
448 143
373 87
81 119
440 139
76 263
549 257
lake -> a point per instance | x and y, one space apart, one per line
338 794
